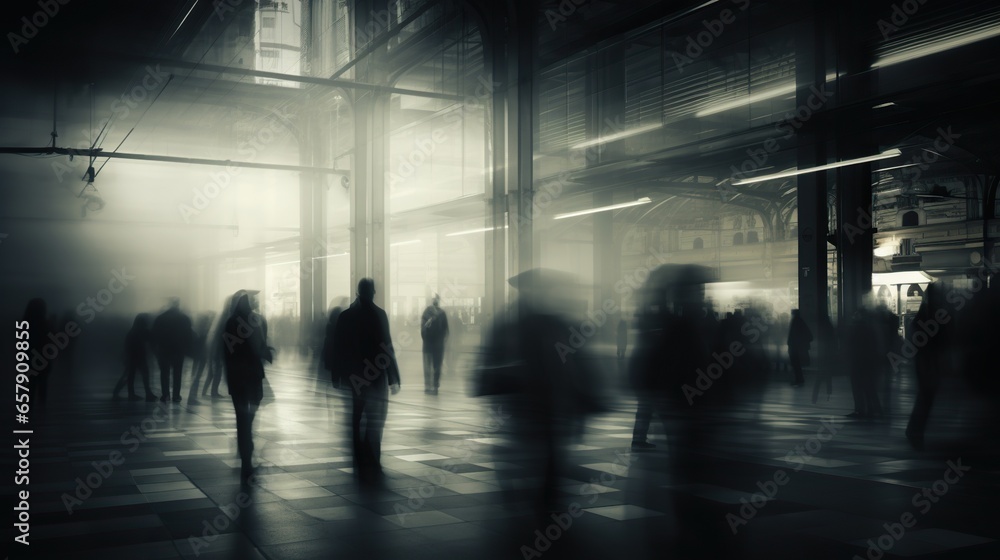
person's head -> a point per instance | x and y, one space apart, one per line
241 303
366 290
141 322
174 303
436 302
254 297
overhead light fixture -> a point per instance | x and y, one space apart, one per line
471 231
884 155
884 105
643 200
401 243
616 136
938 46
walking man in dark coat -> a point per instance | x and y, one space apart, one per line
434 332
799 339
364 361
172 337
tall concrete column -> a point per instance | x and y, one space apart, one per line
520 88
812 187
854 139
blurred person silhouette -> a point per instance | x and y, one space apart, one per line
779 336
540 378
136 359
829 358
866 357
434 333
245 350
200 352
364 360
456 336
215 352
646 376
329 357
172 339
691 384
66 355
799 340
622 339
931 362
39 329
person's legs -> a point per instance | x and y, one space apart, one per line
377 412
244 431
796 359
178 368
217 378
357 415
143 367
428 370
438 357
643 415
197 368
126 376
164 364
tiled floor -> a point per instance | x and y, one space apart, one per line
454 489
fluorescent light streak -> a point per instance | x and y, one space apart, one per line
884 155
764 95
617 136
643 200
884 105
937 47
314 258
401 243
898 167
470 231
